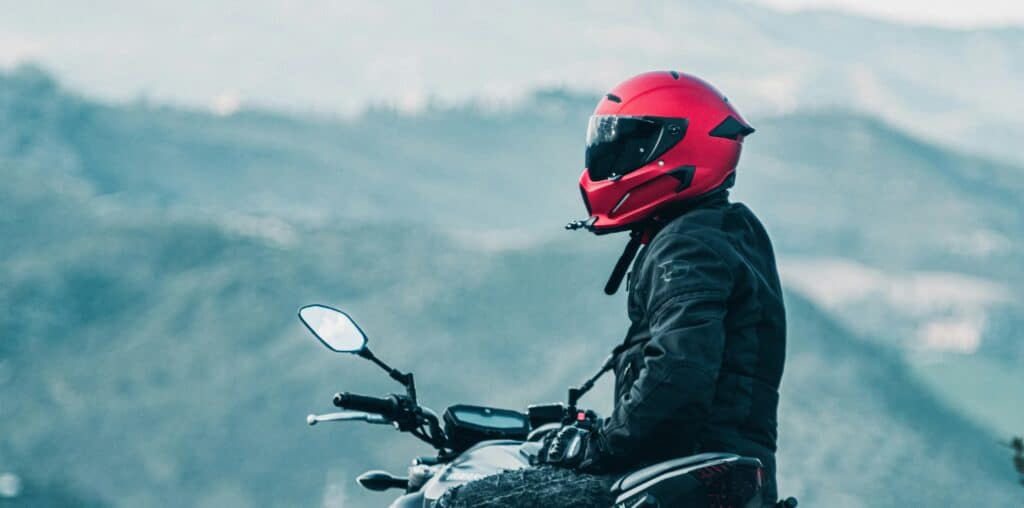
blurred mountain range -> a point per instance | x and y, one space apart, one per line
153 259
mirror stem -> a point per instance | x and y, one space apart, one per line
576 393
405 379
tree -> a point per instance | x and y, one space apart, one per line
1017 444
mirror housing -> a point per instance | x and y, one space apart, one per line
334 328
340 333
382 480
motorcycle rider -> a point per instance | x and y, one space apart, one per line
700 366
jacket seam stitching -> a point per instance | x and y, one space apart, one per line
686 295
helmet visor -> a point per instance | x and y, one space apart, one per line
617 145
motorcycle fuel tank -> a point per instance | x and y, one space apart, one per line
483 459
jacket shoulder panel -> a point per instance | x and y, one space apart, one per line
682 264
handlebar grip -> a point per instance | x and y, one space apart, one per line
355 402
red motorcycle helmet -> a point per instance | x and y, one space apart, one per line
657 139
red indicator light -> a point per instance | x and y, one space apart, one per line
581 416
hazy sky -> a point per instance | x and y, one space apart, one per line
954 13
339 56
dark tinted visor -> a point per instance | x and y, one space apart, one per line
617 145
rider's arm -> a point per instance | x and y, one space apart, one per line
684 288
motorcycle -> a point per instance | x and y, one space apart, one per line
472 442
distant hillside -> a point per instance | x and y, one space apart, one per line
854 188
954 87
152 355
456 168
176 345
855 415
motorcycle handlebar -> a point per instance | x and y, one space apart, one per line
398 410
346 400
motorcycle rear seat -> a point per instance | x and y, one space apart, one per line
638 477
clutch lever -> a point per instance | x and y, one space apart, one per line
348 416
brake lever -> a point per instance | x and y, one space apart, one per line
348 416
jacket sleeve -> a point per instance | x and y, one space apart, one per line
683 288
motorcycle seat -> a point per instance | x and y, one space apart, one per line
640 476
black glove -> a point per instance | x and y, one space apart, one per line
573 448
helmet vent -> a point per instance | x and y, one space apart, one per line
685 176
675 75
618 205
731 128
614 98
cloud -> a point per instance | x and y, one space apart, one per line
227 103
15 49
941 311
925 12
271 230
960 334
835 282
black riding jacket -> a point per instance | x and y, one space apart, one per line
700 367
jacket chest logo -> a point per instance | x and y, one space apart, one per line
672 269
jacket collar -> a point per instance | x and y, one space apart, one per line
676 210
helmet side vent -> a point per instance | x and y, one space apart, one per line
731 128
675 75
685 176
614 98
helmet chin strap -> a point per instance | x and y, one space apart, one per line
622 266
637 237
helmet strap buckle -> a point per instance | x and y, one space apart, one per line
587 224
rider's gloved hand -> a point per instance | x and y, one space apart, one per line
574 448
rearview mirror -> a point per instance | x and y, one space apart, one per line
334 328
